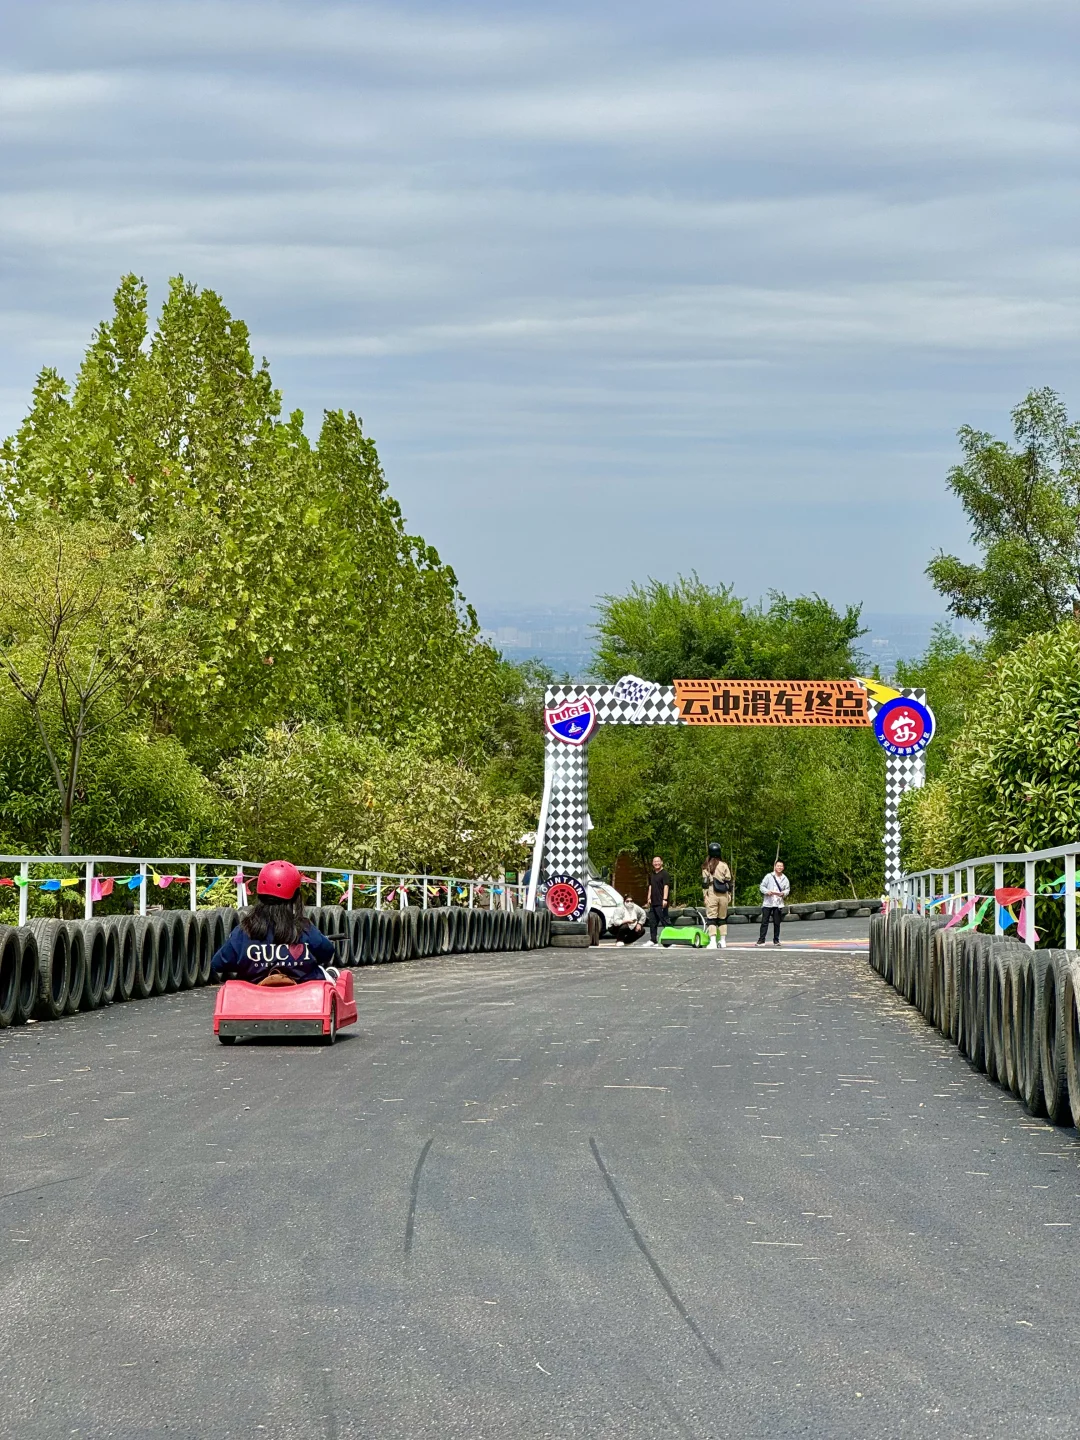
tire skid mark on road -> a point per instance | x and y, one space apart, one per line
41 1185
414 1191
665 1284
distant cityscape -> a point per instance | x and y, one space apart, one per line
563 639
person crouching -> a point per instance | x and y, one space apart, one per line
627 924
716 881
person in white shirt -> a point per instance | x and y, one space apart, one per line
775 888
627 923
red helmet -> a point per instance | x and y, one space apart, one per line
280 879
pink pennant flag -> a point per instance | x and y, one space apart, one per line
964 911
1026 920
99 889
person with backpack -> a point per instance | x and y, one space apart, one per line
717 883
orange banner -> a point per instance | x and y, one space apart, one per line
771 702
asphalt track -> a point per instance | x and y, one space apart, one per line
606 1193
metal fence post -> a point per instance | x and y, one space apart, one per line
999 881
378 892
142 887
193 886
472 894
318 889
349 893
1029 885
424 901
88 898
24 892
1070 902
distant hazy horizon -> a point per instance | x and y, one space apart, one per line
560 637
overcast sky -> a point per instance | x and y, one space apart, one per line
620 289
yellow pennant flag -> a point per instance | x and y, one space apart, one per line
878 692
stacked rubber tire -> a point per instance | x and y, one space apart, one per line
53 968
376 937
1014 1012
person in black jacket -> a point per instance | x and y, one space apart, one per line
275 937
659 895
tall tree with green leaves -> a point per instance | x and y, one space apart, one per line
690 630
1023 502
302 593
83 635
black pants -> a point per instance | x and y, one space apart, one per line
658 918
775 914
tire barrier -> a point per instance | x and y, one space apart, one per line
52 968
1014 1013
10 973
802 910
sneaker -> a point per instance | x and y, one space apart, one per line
619 944
757 943
776 942
712 943
723 942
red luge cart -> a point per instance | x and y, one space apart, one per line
279 1006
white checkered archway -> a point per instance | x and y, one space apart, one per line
562 839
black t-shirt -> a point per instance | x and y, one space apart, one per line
657 881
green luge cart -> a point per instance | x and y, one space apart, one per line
684 935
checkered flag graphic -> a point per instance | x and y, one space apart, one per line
634 694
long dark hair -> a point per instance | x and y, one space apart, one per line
285 918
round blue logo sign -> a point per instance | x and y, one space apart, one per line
903 727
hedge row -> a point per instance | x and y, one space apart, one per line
51 968
1014 1012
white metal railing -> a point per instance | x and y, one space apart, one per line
950 888
140 872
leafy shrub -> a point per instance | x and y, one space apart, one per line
322 795
1012 780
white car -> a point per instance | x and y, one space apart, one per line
604 900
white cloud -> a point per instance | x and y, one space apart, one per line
585 257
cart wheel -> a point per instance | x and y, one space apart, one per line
331 1034
227 1039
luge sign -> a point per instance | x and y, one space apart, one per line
771 702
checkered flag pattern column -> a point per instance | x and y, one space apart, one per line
566 841
902 772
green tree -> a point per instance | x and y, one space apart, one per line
952 672
1024 507
516 764
816 796
310 793
302 594
690 630
81 636
1012 779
